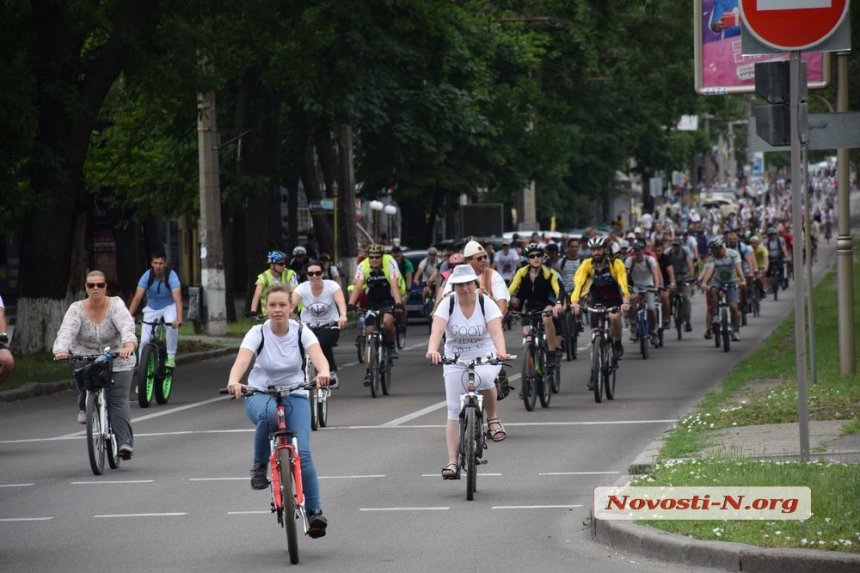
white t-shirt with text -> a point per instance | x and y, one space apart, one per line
468 337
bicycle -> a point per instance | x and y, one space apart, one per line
677 306
603 362
473 434
288 499
361 339
538 375
153 376
756 293
400 320
95 377
776 272
570 335
644 334
722 327
317 397
377 355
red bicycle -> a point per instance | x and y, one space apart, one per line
288 498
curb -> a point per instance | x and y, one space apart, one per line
36 389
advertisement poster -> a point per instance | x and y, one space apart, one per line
720 67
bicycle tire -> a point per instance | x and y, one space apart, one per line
146 375
360 345
678 309
112 449
597 367
609 369
775 286
322 410
528 376
544 382
725 327
569 336
373 364
313 395
470 453
385 372
164 383
644 338
556 381
288 499
95 437
756 306
400 336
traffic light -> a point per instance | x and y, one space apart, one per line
773 84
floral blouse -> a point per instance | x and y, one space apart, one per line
79 335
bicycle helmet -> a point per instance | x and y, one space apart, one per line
771 230
533 248
276 257
456 259
300 252
596 243
374 249
717 242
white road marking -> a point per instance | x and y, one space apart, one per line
141 515
353 477
404 509
16 485
11 519
577 473
255 512
112 482
479 473
217 479
535 506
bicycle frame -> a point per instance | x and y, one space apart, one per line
381 366
603 359
535 348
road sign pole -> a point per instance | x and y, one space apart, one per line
797 231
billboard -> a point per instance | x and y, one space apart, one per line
720 68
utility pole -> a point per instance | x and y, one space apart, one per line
844 246
211 245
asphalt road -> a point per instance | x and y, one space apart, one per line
184 502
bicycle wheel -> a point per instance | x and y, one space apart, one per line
384 371
726 328
95 438
163 383
146 375
678 311
112 448
756 304
775 284
322 408
360 345
556 380
313 394
288 498
644 338
470 454
609 369
597 368
529 377
373 363
400 338
569 332
544 381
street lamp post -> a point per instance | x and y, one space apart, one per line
376 207
390 210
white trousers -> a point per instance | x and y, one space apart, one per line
169 314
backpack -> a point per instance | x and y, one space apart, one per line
401 282
301 346
166 280
451 304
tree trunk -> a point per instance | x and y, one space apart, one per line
348 247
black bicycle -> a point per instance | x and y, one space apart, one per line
679 315
539 376
153 375
722 327
570 335
603 362
377 355
473 434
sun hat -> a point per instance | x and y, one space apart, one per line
473 248
462 274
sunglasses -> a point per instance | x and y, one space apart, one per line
374 257
481 258
96 285
535 256
314 273
281 264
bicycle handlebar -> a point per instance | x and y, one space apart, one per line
271 390
603 309
530 313
487 360
78 358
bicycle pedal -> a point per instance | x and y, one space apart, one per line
482 462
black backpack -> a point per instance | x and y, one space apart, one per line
165 280
451 305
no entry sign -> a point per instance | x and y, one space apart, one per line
793 24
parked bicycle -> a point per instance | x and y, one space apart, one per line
377 355
538 375
604 364
96 377
722 327
473 433
288 499
153 375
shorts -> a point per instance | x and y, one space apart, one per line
732 293
593 318
370 317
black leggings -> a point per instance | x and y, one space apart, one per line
328 337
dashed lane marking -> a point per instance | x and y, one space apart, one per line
577 473
112 482
109 515
16 485
404 509
535 506
14 519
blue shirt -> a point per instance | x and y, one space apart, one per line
158 295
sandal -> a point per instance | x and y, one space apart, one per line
499 433
451 471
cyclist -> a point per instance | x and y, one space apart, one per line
472 325
491 282
643 275
163 300
605 281
682 266
330 270
277 273
323 303
87 328
7 362
667 275
425 271
568 264
454 260
761 260
723 269
298 262
506 262
378 275
278 345
777 254
404 265
748 264
539 289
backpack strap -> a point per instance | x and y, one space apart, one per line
451 304
263 340
151 280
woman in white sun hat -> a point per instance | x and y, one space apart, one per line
472 325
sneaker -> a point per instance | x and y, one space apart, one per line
665 325
633 337
619 349
316 524
736 336
590 385
82 417
333 381
126 451
258 477
688 327
392 352
708 335
170 363
367 378
554 357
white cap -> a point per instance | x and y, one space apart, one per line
462 274
473 248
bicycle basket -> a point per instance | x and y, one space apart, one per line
95 375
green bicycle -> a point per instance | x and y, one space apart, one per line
153 376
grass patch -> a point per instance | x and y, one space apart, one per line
762 389
834 525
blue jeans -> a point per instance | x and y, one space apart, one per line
262 411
